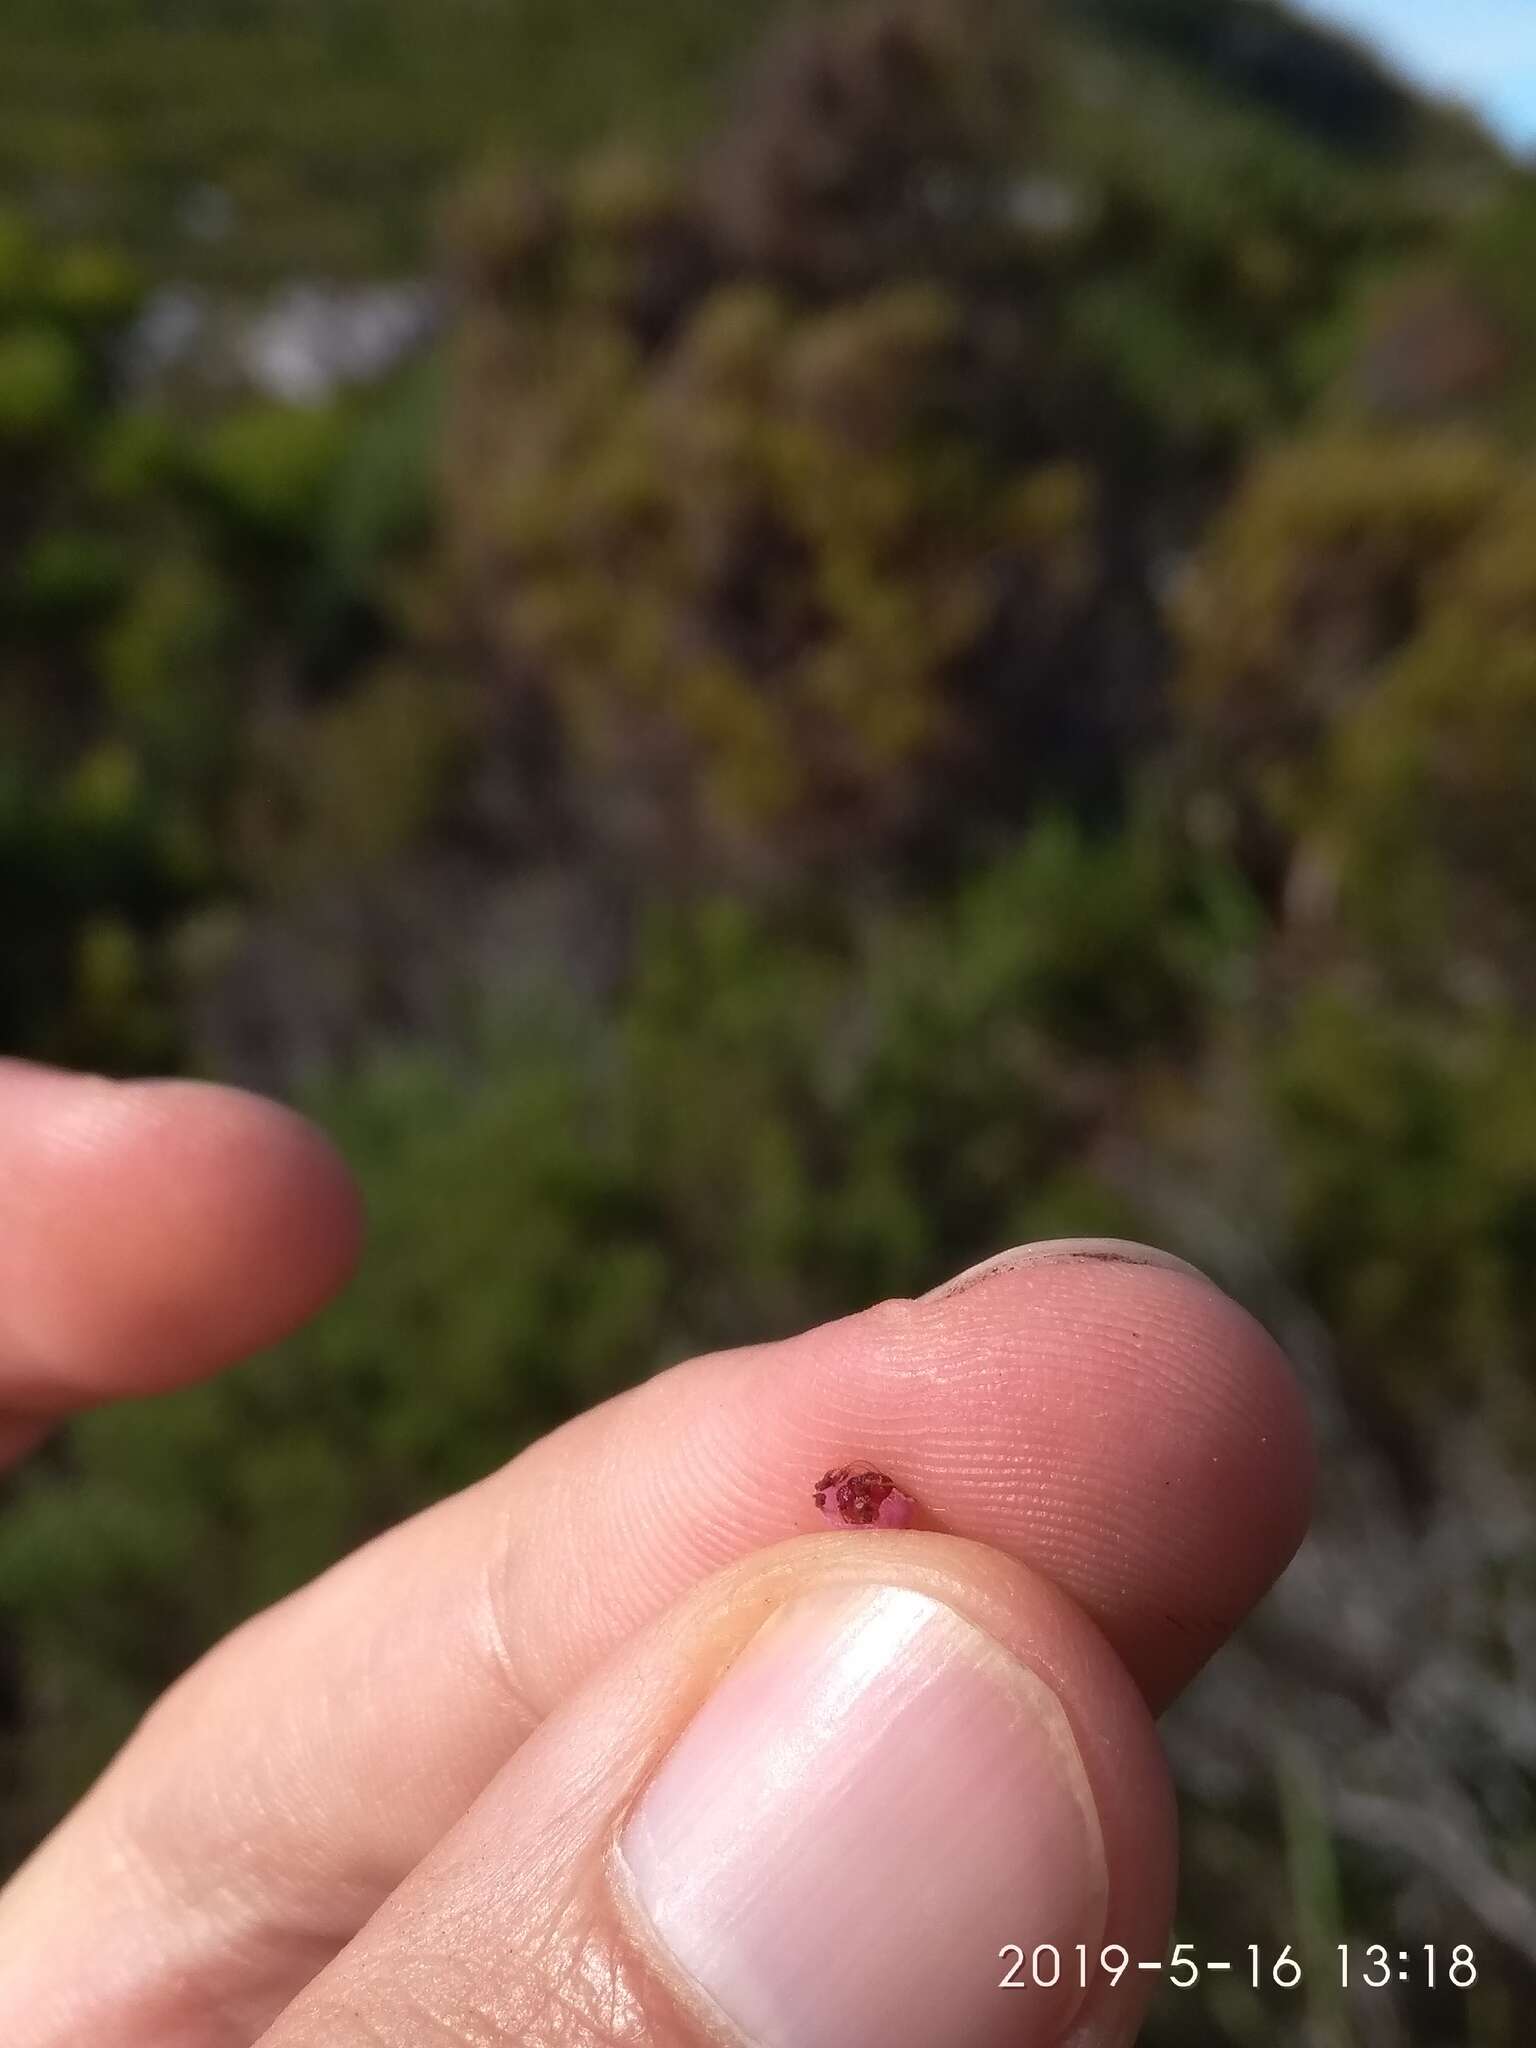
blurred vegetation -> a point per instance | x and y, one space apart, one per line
153 123
935 658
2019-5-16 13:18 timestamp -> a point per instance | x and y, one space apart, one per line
1373 1968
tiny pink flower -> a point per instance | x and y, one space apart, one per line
854 1497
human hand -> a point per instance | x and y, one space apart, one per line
612 1748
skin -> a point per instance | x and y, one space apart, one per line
332 1825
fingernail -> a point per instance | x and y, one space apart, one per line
875 1801
1107 1251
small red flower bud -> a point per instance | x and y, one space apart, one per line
854 1497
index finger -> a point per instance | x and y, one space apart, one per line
1098 1410
150 1233
1099 1413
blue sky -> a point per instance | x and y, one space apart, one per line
1479 50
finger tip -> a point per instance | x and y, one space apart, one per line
1167 1336
1238 1454
177 1226
1269 1442
269 1213
1165 1408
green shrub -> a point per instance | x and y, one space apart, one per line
1409 1149
42 384
1360 640
265 471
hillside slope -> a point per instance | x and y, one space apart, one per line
155 123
